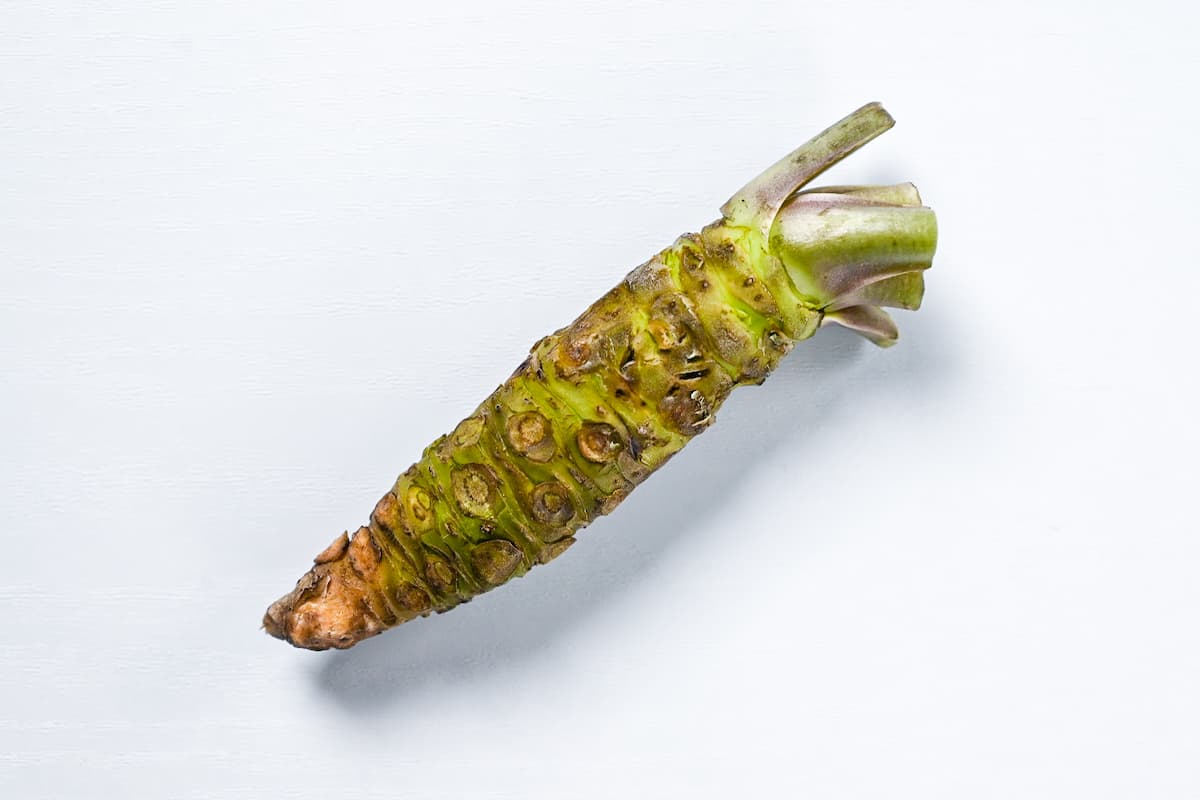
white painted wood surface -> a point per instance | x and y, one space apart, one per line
254 256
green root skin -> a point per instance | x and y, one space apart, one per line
602 403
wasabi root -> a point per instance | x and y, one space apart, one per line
598 406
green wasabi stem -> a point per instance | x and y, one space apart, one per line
601 404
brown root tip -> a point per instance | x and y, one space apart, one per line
329 608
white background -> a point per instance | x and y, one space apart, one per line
254 256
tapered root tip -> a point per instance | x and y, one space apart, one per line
331 606
275 620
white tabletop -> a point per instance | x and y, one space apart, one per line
254 256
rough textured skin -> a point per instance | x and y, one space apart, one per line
597 407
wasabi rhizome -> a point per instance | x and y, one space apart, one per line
602 403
